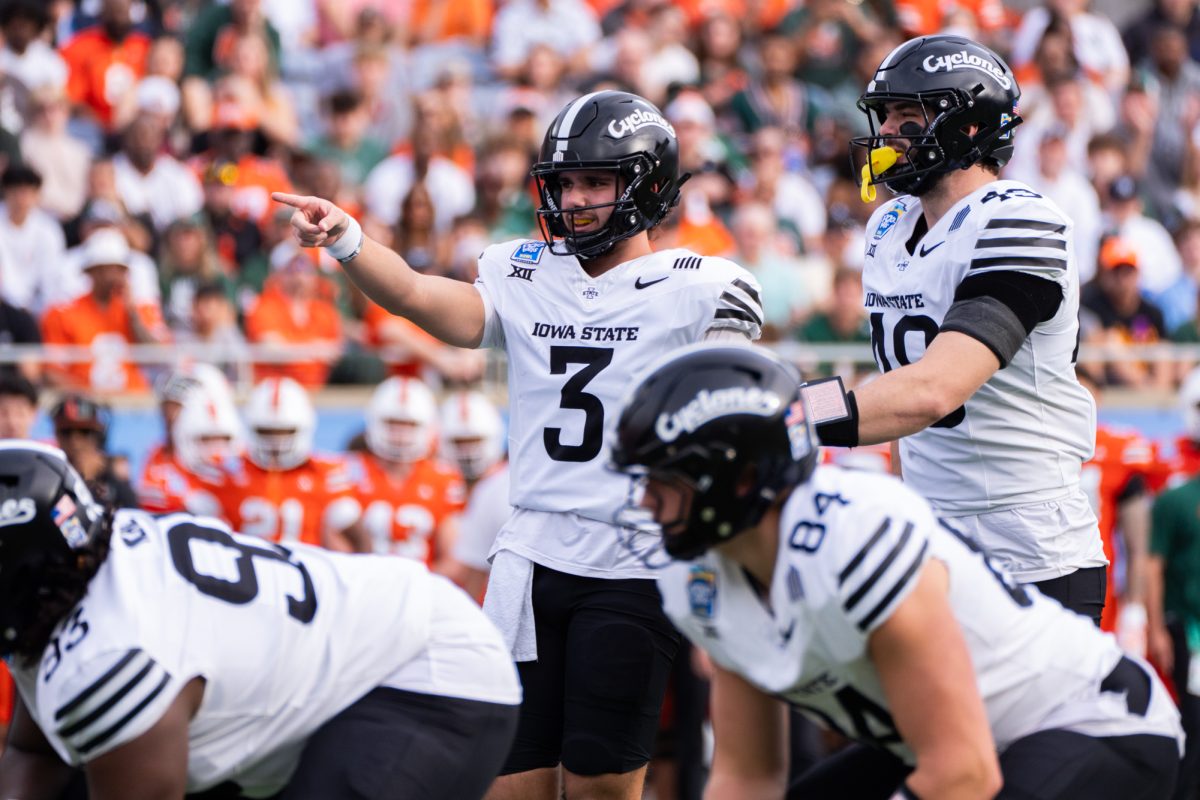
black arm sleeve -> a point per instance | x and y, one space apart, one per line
1000 309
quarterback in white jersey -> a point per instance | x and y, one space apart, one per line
175 655
841 593
972 291
577 313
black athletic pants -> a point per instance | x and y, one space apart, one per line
1082 591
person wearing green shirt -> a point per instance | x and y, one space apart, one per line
1173 611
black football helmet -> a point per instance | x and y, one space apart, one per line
958 83
726 421
616 131
46 513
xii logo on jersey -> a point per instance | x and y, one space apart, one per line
702 592
528 252
524 273
889 220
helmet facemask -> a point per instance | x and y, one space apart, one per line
625 220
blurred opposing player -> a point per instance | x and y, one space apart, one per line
973 297
280 490
1184 464
577 312
842 593
169 655
409 501
472 435
166 483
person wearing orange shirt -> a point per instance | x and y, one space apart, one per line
105 62
203 433
105 319
408 350
290 311
281 490
410 502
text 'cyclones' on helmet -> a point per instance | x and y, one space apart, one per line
46 513
612 131
730 424
958 85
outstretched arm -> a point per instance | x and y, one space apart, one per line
451 310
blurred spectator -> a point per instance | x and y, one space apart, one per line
214 324
150 180
503 201
72 280
1158 260
251 177
796 202
1098 45
411 352
539 87
702 153
346 141
569 26
188 259
18 405
1183 14
922 17
1178 301
104 205
19 326
241 245
785 297
105 61
290 311
375 72
1064 183
26 56
211 37
1106 161
466 23
718 50
1119 315
81 430
28 237
668 60
1172 82
774 97
827 35
417 239
390 182
470 237
106 319
253 78
1075 107
61 159
842 321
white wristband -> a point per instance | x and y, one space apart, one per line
349 243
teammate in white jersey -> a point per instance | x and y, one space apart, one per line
973 295
577 313
165 655
841 593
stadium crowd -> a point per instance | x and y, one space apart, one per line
140 141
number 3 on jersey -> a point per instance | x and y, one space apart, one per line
908 324
594 360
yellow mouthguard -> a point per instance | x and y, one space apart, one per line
882 159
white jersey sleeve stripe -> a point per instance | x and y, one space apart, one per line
116 727
867 585
1025 224
739 310
1054 243
887 600
83 696
1019 261
862 554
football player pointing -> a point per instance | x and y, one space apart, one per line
578 312
973 296
841 593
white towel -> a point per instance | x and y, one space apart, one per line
509 603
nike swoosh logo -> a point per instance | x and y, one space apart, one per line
637 284
925 252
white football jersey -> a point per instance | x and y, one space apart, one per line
1022 438
284 638
574 343
851 548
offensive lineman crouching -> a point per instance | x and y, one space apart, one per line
843 594
169 655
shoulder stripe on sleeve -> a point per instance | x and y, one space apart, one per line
861 554
1019 261
1023 241
755 316
748 289
733 313
869 583
1026 224
96 713
83 696
115 728
888 598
